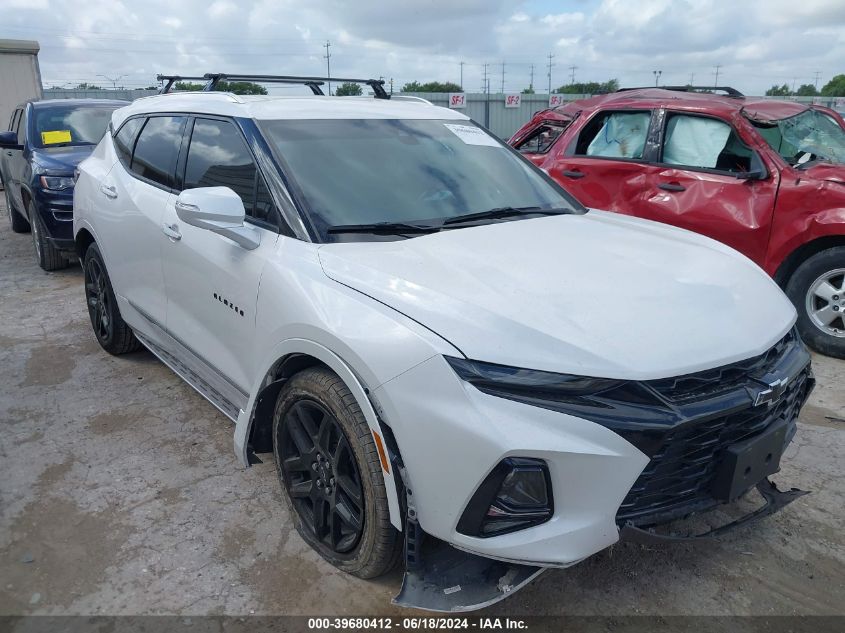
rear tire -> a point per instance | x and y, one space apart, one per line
18 222
109 327
319 433
817 289
47 255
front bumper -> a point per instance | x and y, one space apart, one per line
56 211
604 475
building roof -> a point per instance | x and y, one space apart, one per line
285 107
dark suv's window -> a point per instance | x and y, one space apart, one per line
704 143
21 127
614 135
219 157
157 149
124 141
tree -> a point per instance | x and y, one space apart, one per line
807 90
86 86
589 87
237 87
528 91
348 89
431 86
778 91
835 87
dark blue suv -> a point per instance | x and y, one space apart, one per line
45 142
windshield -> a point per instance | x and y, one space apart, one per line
808 136
367 171
71 125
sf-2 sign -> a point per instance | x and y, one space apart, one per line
513 101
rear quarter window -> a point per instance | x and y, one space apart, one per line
124 140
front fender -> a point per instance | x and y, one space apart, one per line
246 418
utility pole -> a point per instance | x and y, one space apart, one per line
462 76
657 74
328 57
550 72
531 83
692 79
716 83
794 80
485 87
572 70
113 80
391 85
816 80
503 77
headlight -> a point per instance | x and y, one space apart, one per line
517 494
56 183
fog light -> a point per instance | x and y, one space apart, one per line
515 495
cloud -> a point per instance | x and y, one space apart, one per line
757 42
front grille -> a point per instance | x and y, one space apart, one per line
678 479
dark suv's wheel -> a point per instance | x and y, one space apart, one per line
48 256
817 288
110 329
18 222
330 470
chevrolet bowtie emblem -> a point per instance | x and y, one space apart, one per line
772 393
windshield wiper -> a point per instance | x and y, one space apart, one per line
383 227
502 212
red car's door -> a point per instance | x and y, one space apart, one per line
709 181
603 163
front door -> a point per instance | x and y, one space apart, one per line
212 282
700 183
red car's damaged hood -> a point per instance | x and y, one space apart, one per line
827 171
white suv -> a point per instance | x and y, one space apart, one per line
431 336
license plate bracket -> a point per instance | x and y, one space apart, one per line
745 463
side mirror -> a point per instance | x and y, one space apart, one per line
219 210
9 140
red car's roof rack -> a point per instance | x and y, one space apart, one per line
314 83
731 92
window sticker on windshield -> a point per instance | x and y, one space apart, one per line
472 135
56 136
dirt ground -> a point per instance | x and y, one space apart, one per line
120 494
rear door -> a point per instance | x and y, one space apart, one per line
699 183
212 282
604 164
133 196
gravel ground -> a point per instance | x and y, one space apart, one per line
120 494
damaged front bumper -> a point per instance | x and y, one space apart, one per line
440 577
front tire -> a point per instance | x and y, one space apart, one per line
110 329
331 474
18 222
47 255
817 289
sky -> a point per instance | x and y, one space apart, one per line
754 43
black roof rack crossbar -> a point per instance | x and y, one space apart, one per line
731 92
314 83
172 79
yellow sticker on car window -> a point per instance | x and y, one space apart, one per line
55 136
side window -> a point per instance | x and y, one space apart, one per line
219 157
695 141
124 140
541 139
614 135
13 124
157 149
21 127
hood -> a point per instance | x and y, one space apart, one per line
61 159
598 294
830 172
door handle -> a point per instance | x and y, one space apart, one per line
671 186
108 192
8 152
171 231
573 174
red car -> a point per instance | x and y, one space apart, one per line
765 177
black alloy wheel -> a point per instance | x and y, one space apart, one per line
321 476
97 297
